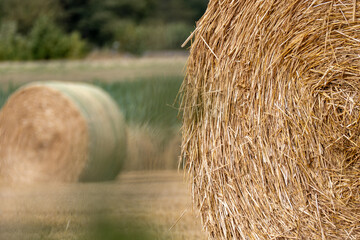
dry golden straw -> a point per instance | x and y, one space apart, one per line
60 132
271 111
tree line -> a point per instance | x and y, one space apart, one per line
50 29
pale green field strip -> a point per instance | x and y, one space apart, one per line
109 70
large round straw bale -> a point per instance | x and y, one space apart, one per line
271 111
60 132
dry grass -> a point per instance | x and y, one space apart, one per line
61 132
149 148
160 201
271 128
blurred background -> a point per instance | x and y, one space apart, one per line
58 29
132 50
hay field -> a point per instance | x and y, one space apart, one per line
156 204
144 88
153 202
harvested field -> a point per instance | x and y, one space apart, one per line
105 70
159 201
154 199
131 88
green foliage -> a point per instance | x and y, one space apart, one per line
77 46
138 38
12 45
130 37
136 26
129 9
128 228
176 34
101 22
187 11
90 17
25 13
45 41
48 41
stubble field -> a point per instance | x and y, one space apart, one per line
150 199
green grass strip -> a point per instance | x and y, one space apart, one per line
142 101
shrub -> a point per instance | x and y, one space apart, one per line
48 41
129 36
12 45
45 41
176 34
136 39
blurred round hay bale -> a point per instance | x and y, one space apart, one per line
271 111
61 132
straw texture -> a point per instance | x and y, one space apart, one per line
271 110
60 132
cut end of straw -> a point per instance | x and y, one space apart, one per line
271 119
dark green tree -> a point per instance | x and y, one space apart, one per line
96 20
91 17
25 12
48 41
187 11
130 25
